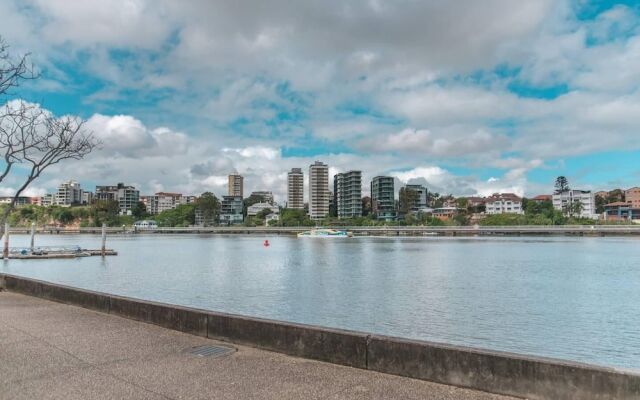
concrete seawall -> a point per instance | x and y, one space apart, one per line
491 371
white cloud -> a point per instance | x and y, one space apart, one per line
412 84
128 136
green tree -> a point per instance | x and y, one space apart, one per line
182 215
366 206
408 198
293 217
209 207
562 184
462 202
251 200
139 211
105 211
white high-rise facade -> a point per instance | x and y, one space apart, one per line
348 194
562 201
295 189
68 193
318 190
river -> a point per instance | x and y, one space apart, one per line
574 298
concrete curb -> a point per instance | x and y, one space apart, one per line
490 371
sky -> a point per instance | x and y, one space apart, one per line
467 97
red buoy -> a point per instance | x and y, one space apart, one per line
266 243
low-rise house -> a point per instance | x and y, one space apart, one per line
445 213
503 203
621 211
145 224
541 198
475 201
255 209
21 201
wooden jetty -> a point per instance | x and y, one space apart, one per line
42 254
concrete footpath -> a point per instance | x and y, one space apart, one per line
50 350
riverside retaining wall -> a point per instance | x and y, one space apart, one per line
491 371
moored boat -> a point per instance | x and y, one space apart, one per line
323 233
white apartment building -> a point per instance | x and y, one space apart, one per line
562 200
255 209
68 193
48 200
295 189
503 203
318 190
163 201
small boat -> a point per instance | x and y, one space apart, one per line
323 233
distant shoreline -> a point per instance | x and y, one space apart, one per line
528 230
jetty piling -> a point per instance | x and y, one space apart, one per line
5 252
104 239
33 236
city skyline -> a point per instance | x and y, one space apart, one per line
177 110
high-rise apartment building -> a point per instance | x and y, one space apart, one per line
420 198
126 196
295 189
383 202
236 185
318 190
348 194
68 193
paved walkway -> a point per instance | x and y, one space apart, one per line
56 351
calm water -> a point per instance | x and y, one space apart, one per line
570 298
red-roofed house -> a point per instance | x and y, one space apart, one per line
503 203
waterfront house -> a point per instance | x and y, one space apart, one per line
503 203
445 213
541 198
563 200
621 211
145 224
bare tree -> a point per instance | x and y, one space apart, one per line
12 70
32 139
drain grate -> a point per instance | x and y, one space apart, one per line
211 351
